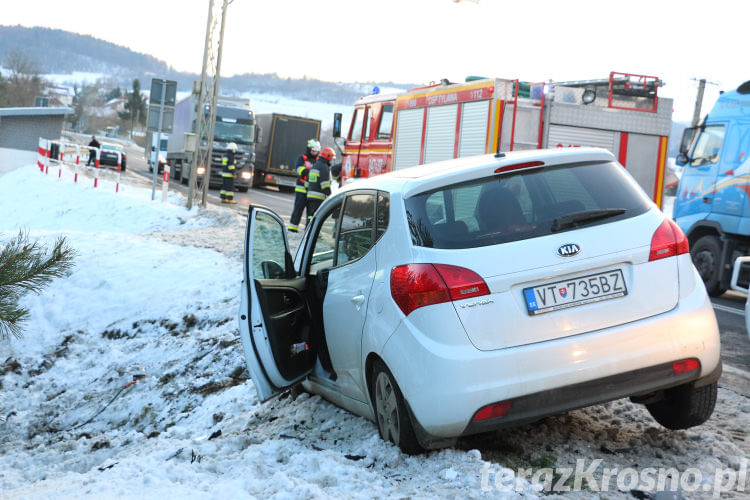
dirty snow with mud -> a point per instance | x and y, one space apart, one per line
155 292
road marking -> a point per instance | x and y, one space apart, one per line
732 310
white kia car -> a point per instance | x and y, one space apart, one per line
468 295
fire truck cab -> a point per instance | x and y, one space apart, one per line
445 120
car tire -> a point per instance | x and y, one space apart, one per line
706 255
391 414
684 406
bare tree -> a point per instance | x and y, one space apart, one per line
24 82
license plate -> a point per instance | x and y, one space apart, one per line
575 292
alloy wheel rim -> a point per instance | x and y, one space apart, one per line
387 408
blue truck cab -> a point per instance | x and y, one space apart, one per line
712 204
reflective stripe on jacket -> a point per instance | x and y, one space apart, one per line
318 182
302 166
228 164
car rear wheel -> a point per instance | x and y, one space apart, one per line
684 406
706 255
391 414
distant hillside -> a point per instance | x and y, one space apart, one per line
62 52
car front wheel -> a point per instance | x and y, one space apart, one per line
392 418
684 406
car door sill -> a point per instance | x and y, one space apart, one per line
327 389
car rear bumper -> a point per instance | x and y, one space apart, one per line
446 385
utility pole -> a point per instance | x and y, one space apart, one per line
208 91
698 102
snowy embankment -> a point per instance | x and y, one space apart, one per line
147 297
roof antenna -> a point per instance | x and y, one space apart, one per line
498 154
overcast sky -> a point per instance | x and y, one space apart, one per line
426 40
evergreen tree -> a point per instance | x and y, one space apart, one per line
135 107
27 267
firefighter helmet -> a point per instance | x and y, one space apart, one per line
328 153
232 146
313 145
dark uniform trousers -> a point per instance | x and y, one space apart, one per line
228 164
303 165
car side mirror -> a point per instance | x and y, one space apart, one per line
337 125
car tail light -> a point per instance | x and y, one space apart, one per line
462 283
417 285
493 411
668 241
685 366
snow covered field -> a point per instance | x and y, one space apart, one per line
155 293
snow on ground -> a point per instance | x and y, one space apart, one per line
151 295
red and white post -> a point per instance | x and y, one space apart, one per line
164 181
41 153
96 165
46 157
117 179
78 161
61 152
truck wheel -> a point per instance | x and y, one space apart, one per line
706 255
684 406
391 415
242 189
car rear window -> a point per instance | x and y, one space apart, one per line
528 204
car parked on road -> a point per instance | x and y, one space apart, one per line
740 282
464 296
109 155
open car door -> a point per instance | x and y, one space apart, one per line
274 316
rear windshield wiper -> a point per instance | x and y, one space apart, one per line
581 218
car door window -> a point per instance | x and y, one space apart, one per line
708 146
357 228
356 133
386 122
325 241
366 132
382 215
269 253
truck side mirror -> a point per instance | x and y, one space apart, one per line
687 139
681 160
337 125
258 134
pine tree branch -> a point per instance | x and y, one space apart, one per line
27 267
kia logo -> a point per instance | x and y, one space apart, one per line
568 250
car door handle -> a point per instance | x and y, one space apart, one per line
358 301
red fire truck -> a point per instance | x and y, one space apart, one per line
622 113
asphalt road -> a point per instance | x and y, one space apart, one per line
270 197
729 308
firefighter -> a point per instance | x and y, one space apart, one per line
228 164
319 181
302 166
